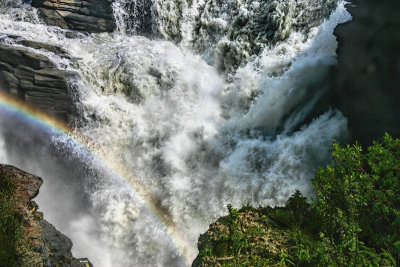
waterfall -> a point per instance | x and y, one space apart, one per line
134 17
205 103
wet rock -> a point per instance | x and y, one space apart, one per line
90 15
33 78
47 246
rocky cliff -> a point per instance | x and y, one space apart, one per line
33 78
29 75
89 15
42 244
366 81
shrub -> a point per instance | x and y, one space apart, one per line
353 221
358 200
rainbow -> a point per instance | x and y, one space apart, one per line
110 162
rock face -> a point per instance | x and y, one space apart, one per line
32 78
366 82
48 247
89 15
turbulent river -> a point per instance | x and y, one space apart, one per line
197 110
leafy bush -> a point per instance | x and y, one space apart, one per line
358 201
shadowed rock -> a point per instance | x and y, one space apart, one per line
32 78
366 82
90 15
46 245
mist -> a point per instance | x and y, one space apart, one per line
195 137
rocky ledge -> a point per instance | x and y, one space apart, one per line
34 79
89 15
248 237
46 246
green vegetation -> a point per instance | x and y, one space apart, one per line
358 204
354 219
11 229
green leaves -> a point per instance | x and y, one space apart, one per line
353 221
358 200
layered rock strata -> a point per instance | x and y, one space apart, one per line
89 15
33 78
47 246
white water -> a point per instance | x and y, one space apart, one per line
196 141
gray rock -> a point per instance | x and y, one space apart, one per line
57 248
89 15
32 78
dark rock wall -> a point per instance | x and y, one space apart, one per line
89 15
366 81
32 78
47 246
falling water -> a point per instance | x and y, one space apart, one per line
198 122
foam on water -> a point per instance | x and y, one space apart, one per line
196 140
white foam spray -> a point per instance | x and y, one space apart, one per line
195 140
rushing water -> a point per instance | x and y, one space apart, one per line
199 124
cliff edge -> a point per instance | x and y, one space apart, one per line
27 239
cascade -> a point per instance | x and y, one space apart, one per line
198 114
134 17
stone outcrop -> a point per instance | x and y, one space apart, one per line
46 245
366 81
33 78
79 15
257 238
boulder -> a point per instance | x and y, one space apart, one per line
89 15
